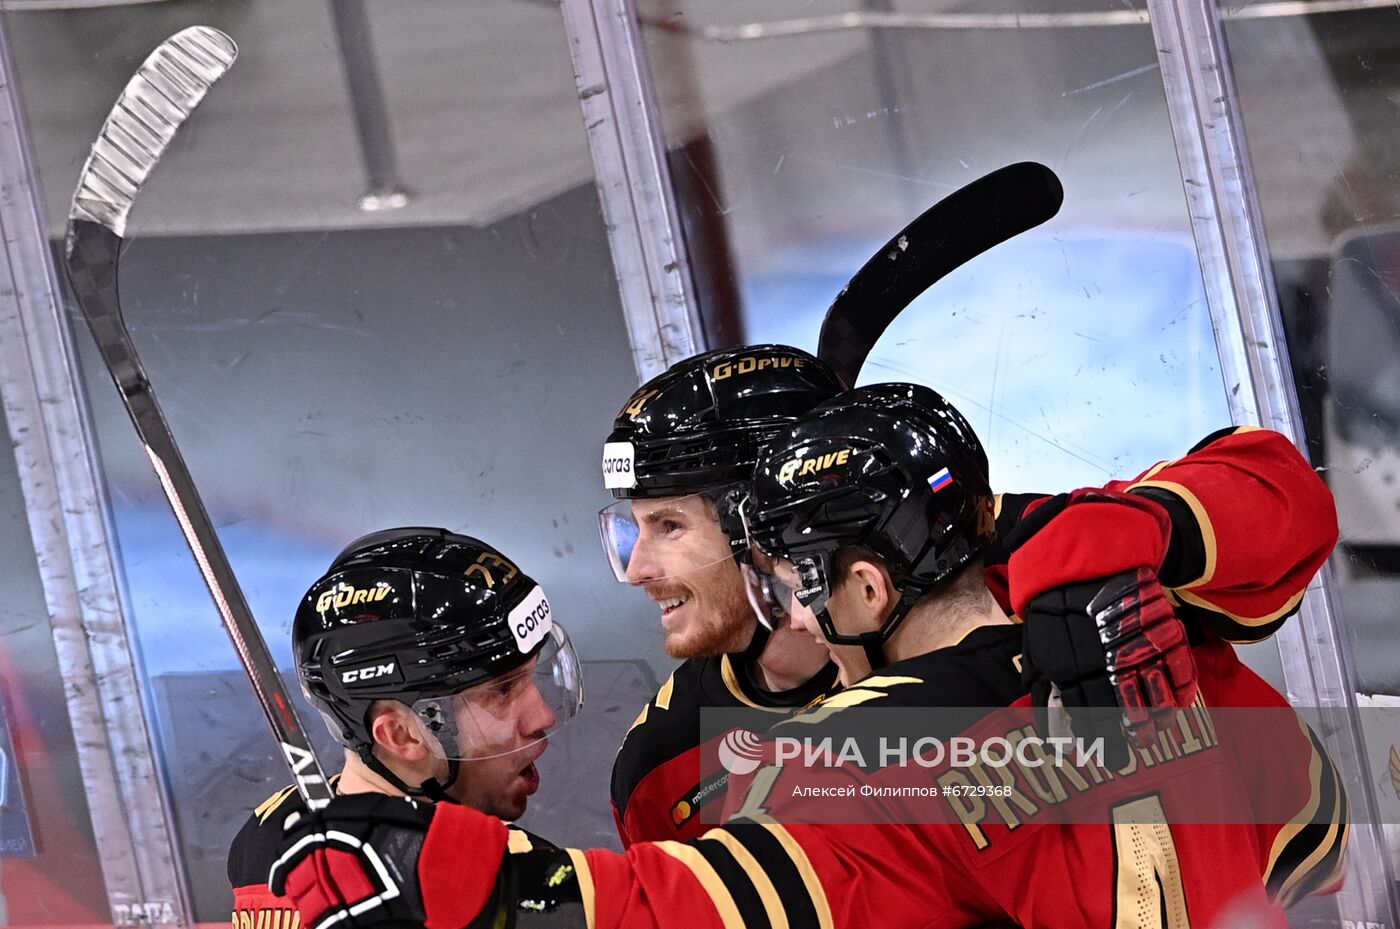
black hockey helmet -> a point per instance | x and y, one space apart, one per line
698 427
423 616
894 468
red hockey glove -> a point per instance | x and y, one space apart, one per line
368 860
1083 576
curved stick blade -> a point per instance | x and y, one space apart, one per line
156 101
947 235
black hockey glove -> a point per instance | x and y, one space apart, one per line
1117 654
368 860
1083 576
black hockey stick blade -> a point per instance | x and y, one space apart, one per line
944 237
157 100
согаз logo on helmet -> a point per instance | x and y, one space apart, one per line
740 751
530 620
618 459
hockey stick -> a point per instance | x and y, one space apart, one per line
158 99
947 235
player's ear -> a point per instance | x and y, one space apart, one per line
872 591
397 731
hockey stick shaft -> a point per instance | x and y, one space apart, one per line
956 229
158 99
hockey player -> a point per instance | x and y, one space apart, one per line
897 499
437 664
678 461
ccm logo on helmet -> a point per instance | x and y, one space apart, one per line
368 673
618 458
752 363
799 467
345 595
530 621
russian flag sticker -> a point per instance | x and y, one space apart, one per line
937 482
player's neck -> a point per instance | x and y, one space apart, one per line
936 623
788 660
358 778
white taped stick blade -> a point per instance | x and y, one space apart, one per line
157 100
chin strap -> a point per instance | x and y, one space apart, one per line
430 789
757 643
874 642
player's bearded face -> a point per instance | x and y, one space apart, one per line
682 560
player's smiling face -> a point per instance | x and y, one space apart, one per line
682 560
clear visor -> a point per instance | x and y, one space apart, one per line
769 595
665 537
508 713
773 585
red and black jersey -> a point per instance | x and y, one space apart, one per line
1252 524
658 785
1244 505
1244 482
259 843
1004 859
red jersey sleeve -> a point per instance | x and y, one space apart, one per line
1252 524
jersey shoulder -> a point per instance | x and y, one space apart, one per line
259 841
983 669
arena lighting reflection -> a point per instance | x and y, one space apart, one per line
1075 358
171 614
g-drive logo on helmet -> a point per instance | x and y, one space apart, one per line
618 470
803 467
531 620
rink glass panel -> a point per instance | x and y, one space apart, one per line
1082 350
49 869
329 371
1318 96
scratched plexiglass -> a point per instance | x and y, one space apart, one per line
350 326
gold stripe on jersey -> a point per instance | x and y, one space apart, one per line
663 696
804 869
641 717
1323 863
889 680
1289 606
518 841
731 683
708 878
1203 525
772 904
586 891
270 805
1308 852
821 712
